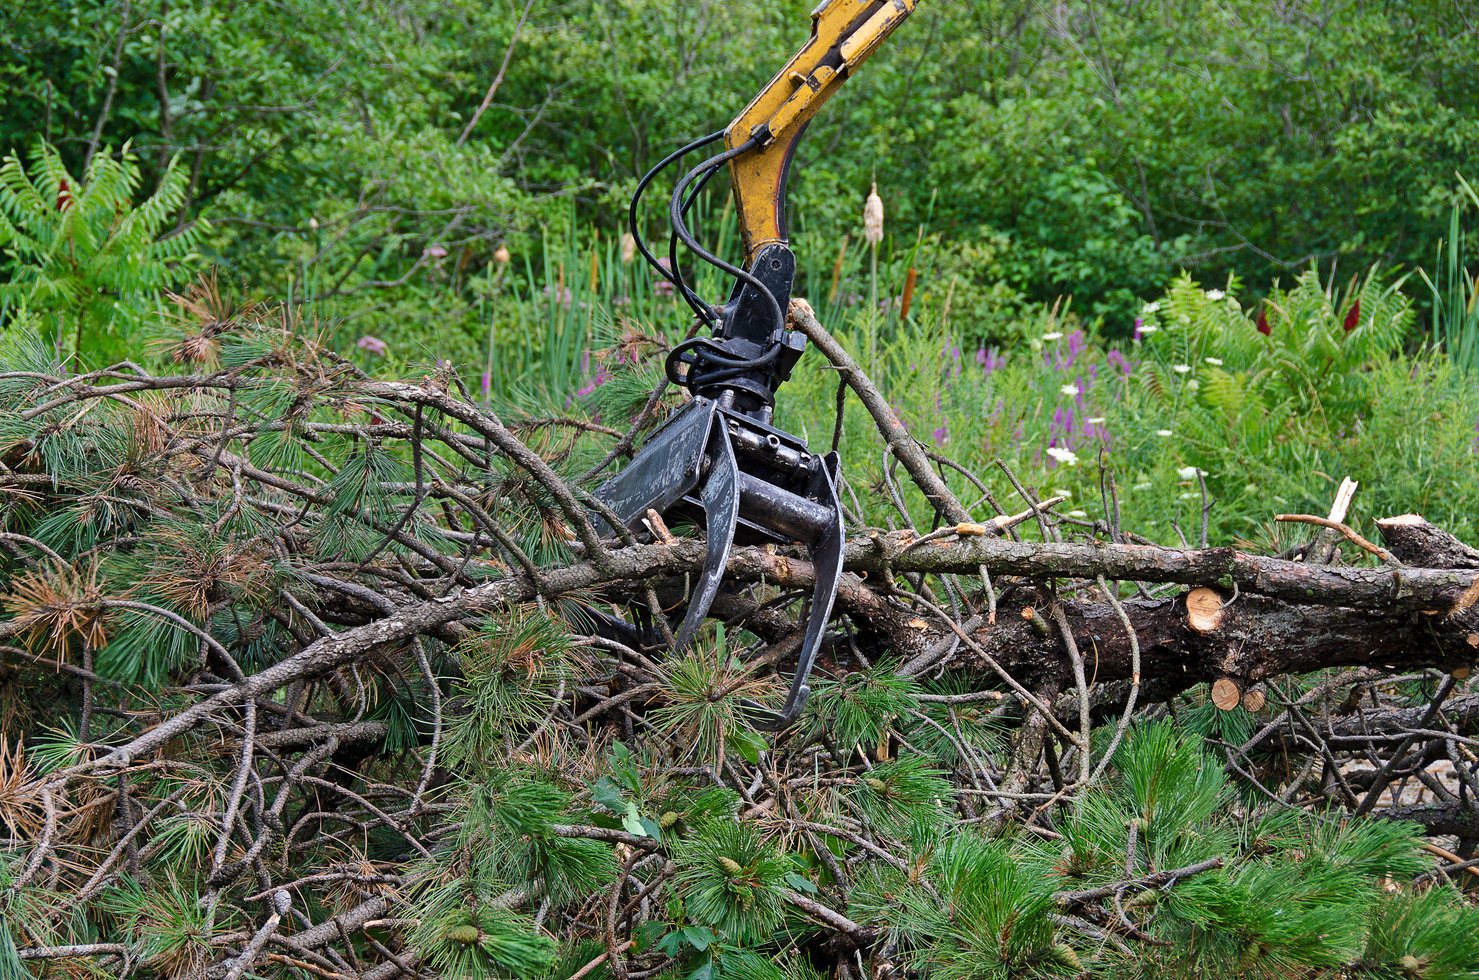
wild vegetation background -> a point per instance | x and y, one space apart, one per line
1218 246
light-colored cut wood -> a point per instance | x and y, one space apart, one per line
1253 700
1225 693
1342 504
1204 609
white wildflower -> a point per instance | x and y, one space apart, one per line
1070 390
1065 456
1164 432
1097 420
1148 328
1149 308
1193 385
1215 294
1181 368
1189 472
1191 496
1214 361
1055 335
1078 513
1142 486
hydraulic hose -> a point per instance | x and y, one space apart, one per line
642 185
680 228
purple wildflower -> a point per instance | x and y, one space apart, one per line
597 381
373 345
662 287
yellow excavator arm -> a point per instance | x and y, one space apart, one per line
718 458
843 34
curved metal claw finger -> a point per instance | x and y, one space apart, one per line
721 511
826 560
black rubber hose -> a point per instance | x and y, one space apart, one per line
680 228
695 301
716 354
642 185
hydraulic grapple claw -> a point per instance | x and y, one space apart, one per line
718 457
754 484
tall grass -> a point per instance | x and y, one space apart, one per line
1455 296
546 314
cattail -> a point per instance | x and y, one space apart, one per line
1263 326
873 217
908 296
1353 316
595 270
628 248
837 271
501 256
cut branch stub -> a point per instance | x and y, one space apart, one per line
1204 610
1225 693
1416 542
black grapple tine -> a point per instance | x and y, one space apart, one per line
721 513
826 559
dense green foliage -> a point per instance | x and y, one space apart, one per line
1167 260
1081 148
82 256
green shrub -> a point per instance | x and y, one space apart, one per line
83 257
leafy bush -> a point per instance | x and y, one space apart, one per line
79 254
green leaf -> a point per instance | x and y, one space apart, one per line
801 883
632 822
748 744
648 933
605 793
698 938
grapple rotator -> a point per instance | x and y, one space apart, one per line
718 457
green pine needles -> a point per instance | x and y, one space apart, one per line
315 673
